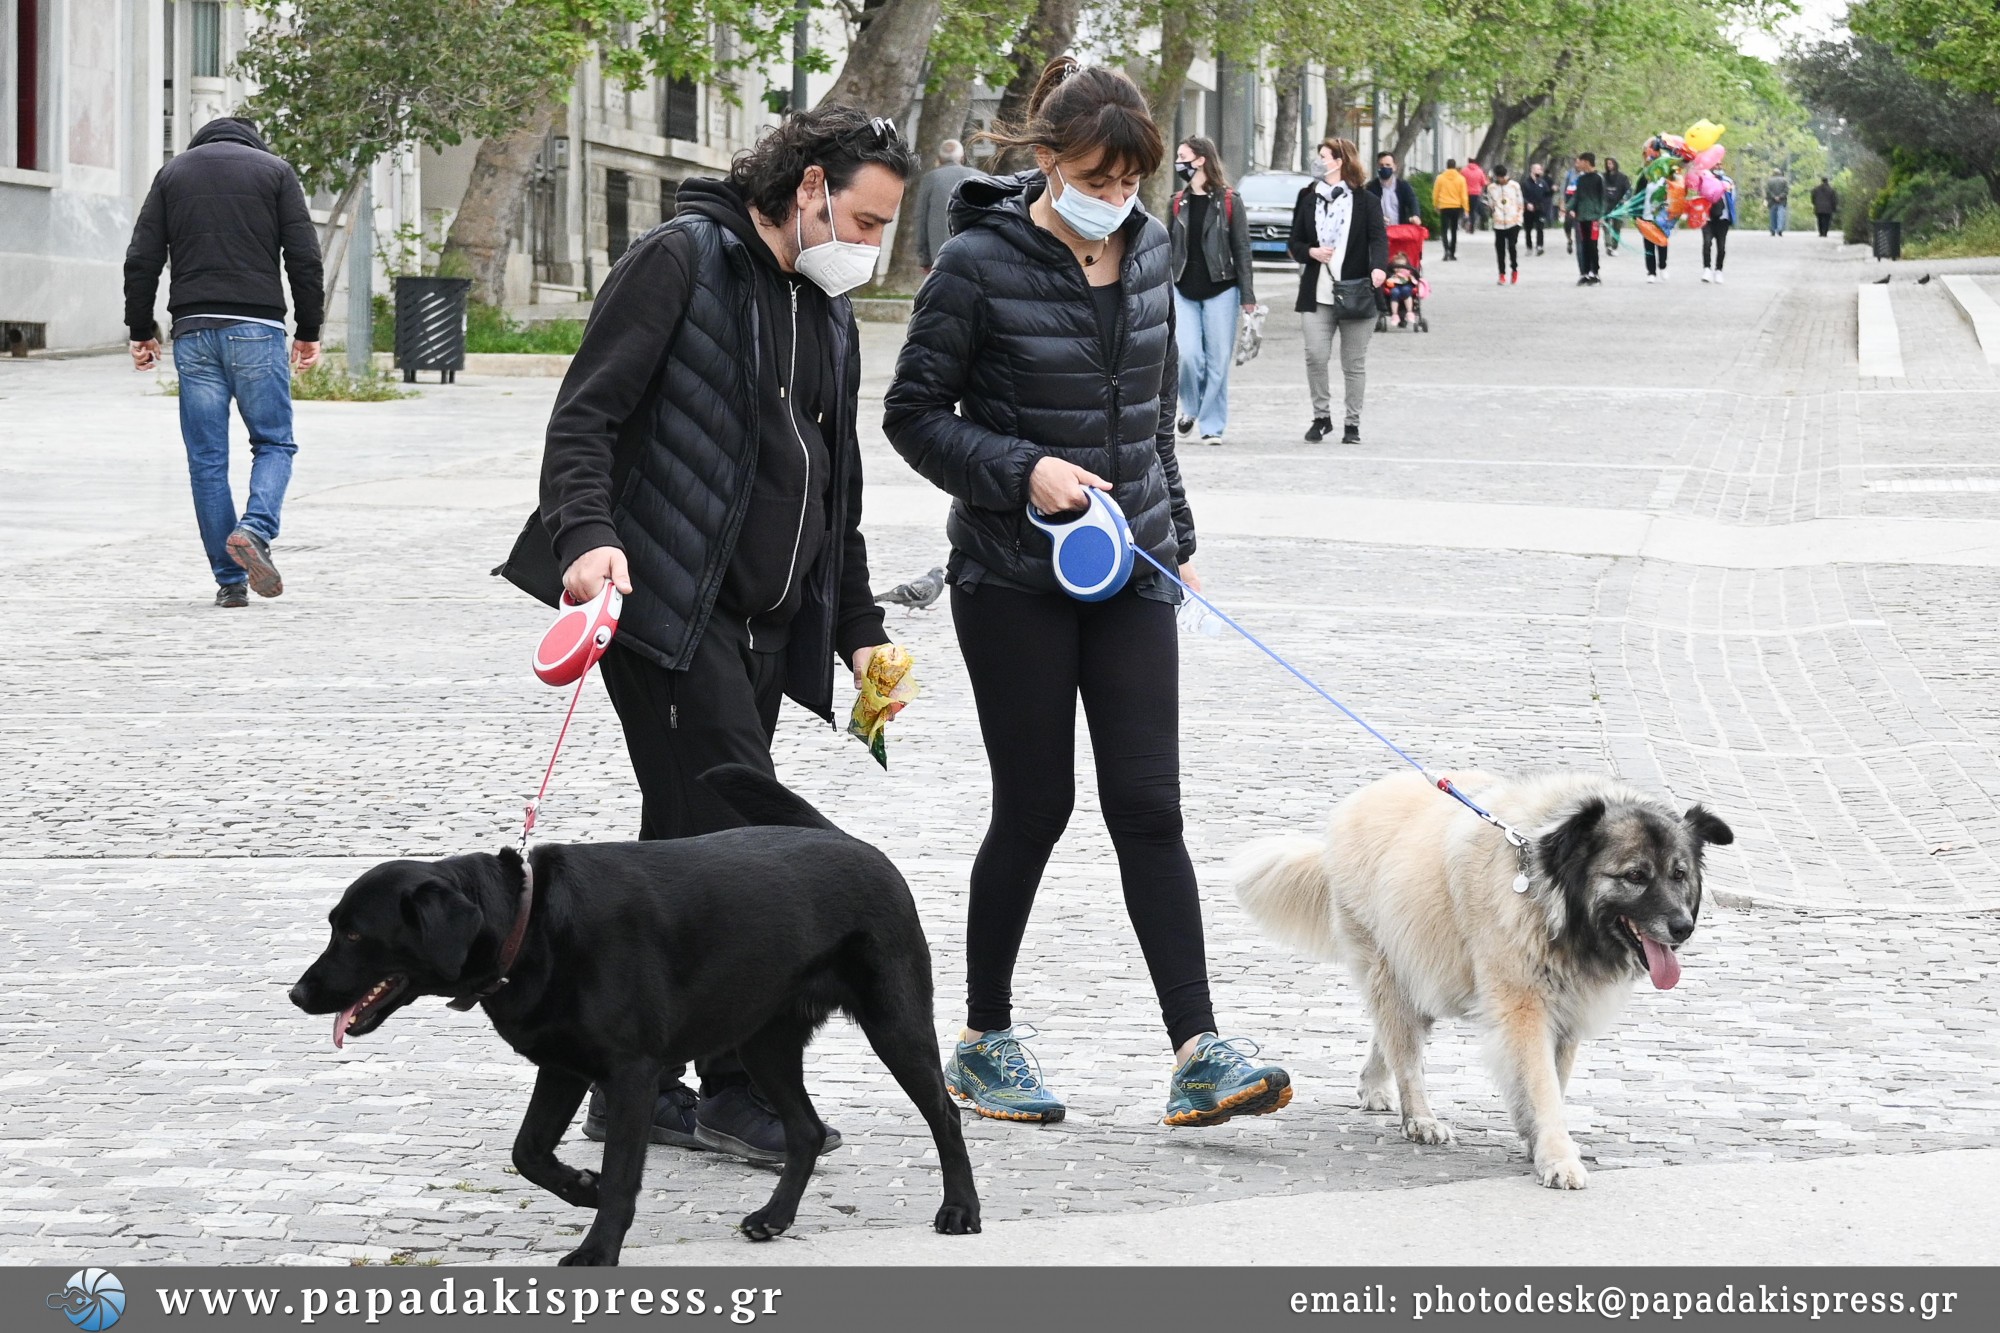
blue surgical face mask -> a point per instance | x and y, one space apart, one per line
1090 217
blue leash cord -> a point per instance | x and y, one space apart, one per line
1513 835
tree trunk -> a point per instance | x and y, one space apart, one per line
1285 134
885 63
1046 35
483 231
943 117
1408 129
1338 99
1163 96
333 234
1506 115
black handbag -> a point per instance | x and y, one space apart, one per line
1353 298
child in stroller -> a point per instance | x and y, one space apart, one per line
1403 293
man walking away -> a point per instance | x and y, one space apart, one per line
702 454
1450 199
1587 212
934 200
1475 189
225 211
1778 198
1825 201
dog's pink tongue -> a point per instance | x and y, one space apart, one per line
1662 963
341 1020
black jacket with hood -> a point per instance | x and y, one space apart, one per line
1003 365
227 209
674 438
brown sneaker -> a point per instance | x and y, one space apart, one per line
252 552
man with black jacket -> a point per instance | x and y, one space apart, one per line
1538 197
1397 196
702 455
225 210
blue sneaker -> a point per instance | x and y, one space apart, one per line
1219 1081
997 1077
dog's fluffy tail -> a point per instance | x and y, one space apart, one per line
1282 882
762 799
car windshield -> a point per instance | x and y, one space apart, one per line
1266 188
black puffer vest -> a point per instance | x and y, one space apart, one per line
1003 365
678 506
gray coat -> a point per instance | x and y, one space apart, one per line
934 209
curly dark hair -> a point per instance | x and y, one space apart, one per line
836 139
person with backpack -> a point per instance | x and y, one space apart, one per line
1210 262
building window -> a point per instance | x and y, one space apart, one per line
23 55
206 57
681 111
617 214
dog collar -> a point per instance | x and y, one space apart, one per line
511 949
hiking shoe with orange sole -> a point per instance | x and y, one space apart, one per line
1221 1081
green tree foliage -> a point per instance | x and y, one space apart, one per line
1955 42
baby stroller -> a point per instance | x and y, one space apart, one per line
1406 239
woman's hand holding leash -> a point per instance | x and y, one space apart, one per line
1058 487
586 576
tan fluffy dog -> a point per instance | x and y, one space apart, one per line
1418 898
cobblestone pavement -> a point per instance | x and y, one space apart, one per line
194 789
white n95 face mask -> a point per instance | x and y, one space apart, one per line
1088 216
834 266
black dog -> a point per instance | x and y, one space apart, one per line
611 962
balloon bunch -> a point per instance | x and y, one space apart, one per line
1677 181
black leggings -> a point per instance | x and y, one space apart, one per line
1715 235
1506 249
1029 656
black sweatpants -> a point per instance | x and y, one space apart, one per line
1506 248
1825 221
1534 228
1656 258
1715 237
1030 656
679 724
1586 248
1448 223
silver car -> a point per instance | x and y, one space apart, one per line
1268 199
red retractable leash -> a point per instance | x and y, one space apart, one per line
567 652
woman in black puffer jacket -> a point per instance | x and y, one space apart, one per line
1040 363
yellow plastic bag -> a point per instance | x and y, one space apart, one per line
891 679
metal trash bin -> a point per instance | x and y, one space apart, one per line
430 326
1888 240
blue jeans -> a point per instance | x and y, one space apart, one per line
250 363
1206 332
1778 212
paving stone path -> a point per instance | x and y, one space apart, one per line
191 790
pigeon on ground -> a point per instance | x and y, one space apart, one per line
1882 281
918 594
1921 281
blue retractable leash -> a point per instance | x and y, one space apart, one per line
1093 560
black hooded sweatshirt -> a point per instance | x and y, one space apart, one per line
228 210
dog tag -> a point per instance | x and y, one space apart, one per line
579 637
1520 883
1093 548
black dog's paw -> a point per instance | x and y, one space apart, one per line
764 1224
589 1256
581 1191
958 1219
